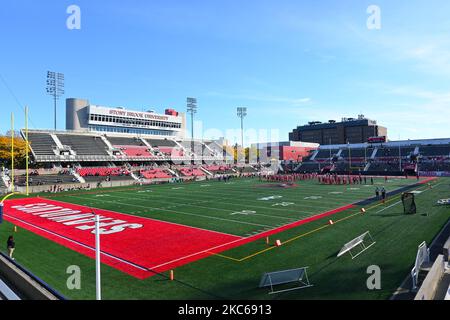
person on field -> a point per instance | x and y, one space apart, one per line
383 194
377 193
10 245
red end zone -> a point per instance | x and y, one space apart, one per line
135 245
131 244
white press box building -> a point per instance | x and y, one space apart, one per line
82 116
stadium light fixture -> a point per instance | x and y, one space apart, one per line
55 88
191 104
242 113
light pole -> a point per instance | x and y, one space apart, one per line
191 104
242 113
55 87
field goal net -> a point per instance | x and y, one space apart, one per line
299 276
422 257
409 205
357 245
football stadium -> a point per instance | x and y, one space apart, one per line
126 203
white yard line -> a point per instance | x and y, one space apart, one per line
177 212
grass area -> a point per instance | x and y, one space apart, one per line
235 274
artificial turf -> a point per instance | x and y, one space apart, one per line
235 274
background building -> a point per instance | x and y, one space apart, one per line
285 150
83 116
351 130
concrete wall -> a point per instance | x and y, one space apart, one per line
28 287
76 114
428 289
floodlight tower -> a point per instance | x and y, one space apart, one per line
242 113
55 87
191 104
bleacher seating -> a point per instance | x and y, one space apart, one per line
85 145
156 173
325 153
103 171
36 180
223 169
192 172
125 141
356 153
433 151
42 144
135 151
161 143
387 152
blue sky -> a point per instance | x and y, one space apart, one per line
288 62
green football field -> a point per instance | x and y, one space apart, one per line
245 207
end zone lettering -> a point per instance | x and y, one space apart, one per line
77 218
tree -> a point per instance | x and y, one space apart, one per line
19 151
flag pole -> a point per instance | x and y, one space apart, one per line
97 259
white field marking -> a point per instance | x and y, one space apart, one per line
392 205
205 185
343 197
283 204
353 189
313 198
216 199
147 218
243 212
77 242
177 188
102 195
193 204
335 192
270 198
416 192
142 191
195 254
185 213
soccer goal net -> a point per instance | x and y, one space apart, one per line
357 245
409 205
422 257
298 276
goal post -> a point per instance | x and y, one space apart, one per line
299 275
422 257
409 204
357 246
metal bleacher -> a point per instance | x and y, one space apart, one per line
161 143
41 143
46 179
432 151
119 141
85 145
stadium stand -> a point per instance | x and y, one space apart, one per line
120 141
433 151
103 172
45 179
41 143
156 173
191 172
135 151
84 145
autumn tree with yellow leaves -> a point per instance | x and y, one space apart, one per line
19 151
